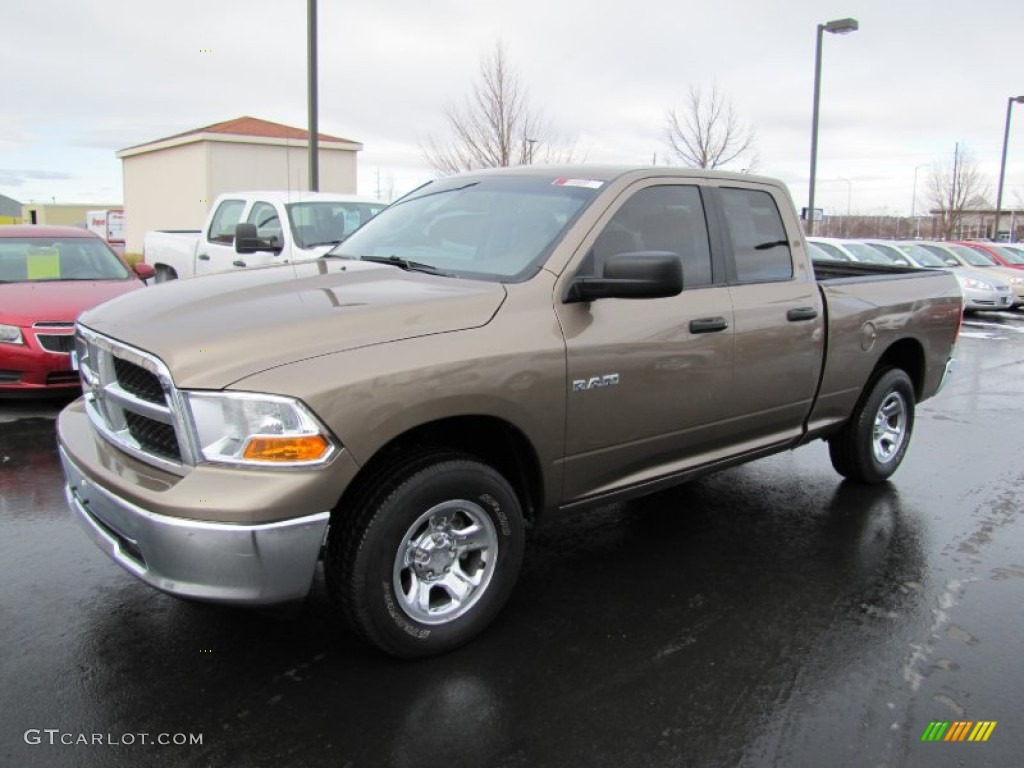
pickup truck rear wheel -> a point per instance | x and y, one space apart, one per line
872 444
427 555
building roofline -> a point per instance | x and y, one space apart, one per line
243 130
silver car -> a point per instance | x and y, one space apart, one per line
968 257
982 290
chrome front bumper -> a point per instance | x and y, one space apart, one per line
251 564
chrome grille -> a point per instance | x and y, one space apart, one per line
139 381
153 436
131 400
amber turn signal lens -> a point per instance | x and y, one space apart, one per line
305 448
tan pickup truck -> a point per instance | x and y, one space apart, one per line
492 348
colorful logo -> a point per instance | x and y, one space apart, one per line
959 730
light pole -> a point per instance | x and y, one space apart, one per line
311 67
913 200
1002 166
837 27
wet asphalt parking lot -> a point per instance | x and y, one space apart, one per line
768 615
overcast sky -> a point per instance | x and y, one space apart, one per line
84 78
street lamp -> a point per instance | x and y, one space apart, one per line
1002 166
837 27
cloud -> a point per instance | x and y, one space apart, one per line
10 177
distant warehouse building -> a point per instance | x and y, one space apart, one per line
170 183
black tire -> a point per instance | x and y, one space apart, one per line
866 454
420 531
164 274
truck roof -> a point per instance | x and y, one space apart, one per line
609 172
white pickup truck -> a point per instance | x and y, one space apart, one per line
277 227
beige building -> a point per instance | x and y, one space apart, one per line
170 183
60 214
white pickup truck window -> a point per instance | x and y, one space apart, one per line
222 228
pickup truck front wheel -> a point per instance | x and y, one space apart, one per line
875 439
426 557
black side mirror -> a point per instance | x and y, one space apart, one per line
634 275
246 240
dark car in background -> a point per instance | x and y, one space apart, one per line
48 276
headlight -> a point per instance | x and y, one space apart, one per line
244 428
1017 280
10 334
978 285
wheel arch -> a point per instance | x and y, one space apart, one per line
908 355
492 440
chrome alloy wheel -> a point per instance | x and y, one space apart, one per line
890 428
445 562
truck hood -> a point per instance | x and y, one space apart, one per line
24 303
212 331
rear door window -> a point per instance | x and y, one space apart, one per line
760 245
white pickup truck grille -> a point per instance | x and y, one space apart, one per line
131 400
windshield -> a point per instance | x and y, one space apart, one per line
498 228
891 253
922 256
1009 255
1012 254
972 257
820 254
40 259
867 254
831 250
328 222
945 254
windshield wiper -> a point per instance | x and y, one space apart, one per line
325 242
408 266
409 196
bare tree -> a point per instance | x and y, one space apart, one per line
706 133
495 126
955 186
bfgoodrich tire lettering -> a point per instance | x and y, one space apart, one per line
873 442
427 554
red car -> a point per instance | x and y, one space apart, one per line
1003 256
48 275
